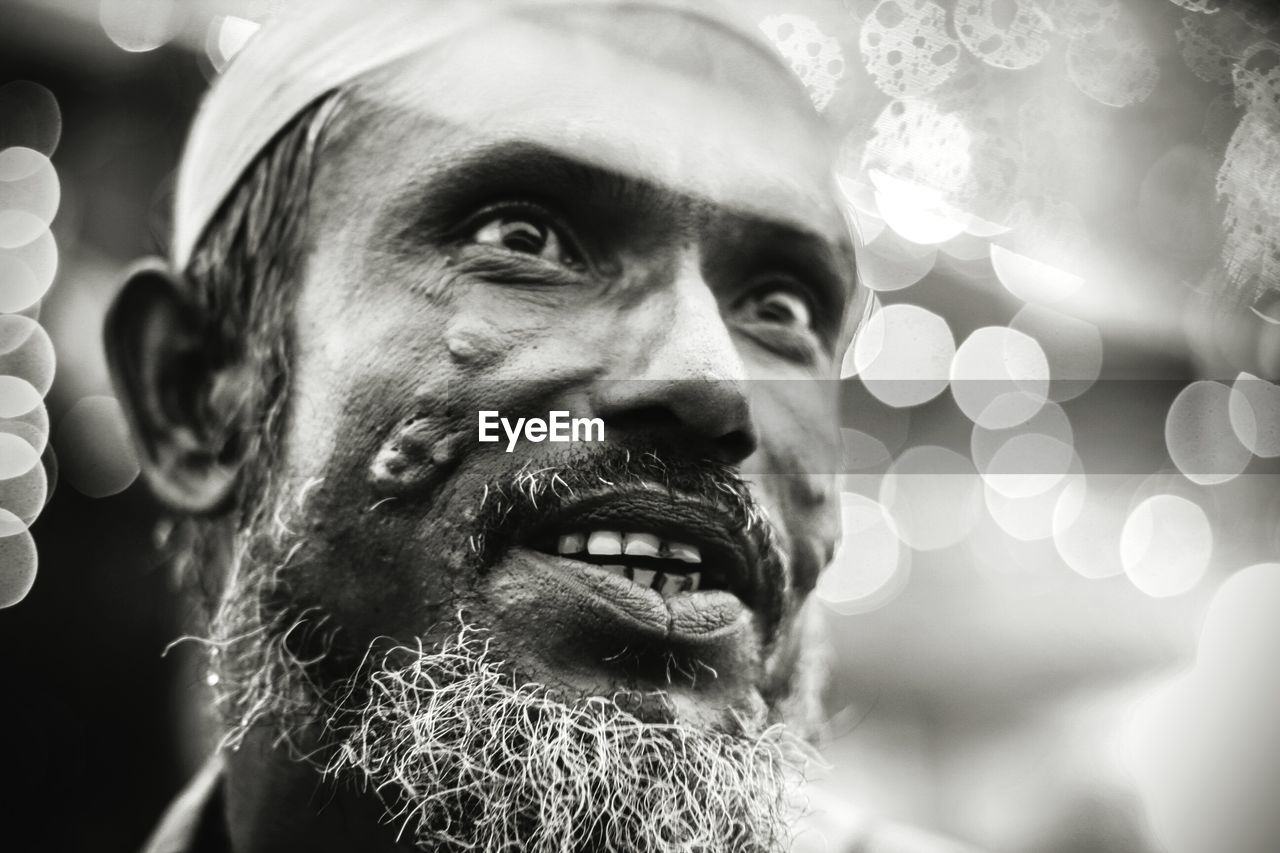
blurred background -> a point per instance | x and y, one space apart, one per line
1053 621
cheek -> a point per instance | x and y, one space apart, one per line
798 459
371 430
383 439
367 535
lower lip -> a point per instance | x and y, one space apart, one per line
619 606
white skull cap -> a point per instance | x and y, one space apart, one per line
312 48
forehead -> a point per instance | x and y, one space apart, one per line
668 100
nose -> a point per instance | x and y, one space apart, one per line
681 375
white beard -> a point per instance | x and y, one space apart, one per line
464 759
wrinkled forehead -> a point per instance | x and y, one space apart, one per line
667 100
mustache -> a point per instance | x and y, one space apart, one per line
518 502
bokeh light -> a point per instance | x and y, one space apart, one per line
18 562
1011 34
815 57
1114 65
32 426
227 35
907 48
915 212
915 141
1250 186
31 117
1032 280
27 271
1034 517
999 377
1050 422
29 195
1088 520
967 247
97 454
1254 410
26 352
933 495
18 397
22 495
1028 465
903 355
140 25
871 566
1165 545
1200 436
17 457
863 452
890 262
1267 307
1073 348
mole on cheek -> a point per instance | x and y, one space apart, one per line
473 342
417 455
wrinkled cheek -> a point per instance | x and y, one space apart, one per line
487 368
395 475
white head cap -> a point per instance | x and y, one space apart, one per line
310 50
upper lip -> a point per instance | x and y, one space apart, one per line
741 553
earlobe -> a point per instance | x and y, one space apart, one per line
166 364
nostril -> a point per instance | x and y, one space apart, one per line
707 417
731 447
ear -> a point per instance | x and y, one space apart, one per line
172 374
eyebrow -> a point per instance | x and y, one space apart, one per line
429 210
426 208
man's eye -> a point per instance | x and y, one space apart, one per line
778 306
526 234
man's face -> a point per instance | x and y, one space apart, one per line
533 220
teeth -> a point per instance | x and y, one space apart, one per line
671 584
684 553
572 543
604 542
644 545
665 584
640 545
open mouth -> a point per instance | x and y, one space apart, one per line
671 544
665 566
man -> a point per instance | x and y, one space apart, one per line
394 217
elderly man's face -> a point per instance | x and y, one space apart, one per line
533 221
